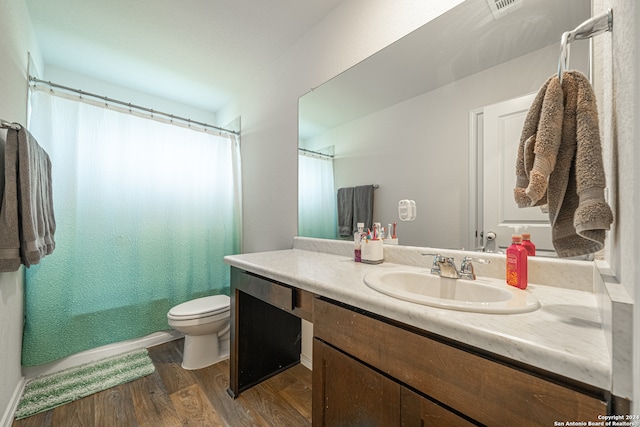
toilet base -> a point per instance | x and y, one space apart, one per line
201 351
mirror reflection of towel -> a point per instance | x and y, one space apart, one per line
363 207
345 212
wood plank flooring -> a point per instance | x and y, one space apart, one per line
172 396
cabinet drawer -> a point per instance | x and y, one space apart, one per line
485 390
293 300
273 293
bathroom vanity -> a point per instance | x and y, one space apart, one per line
368 369
382 361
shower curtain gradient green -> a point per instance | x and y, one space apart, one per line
317 211
145 212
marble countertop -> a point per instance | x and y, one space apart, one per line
565 336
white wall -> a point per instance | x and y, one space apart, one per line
419 149
634 64
616 62
354 30
16 39
621 106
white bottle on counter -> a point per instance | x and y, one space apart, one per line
357 242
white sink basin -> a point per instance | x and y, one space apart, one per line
483 295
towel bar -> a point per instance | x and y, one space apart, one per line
8 125
589 28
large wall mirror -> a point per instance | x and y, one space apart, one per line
407 119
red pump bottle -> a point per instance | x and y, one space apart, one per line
517 263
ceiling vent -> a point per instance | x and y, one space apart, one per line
500 8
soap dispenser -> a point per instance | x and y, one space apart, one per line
517 263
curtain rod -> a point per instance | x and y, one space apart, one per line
130 106
315 153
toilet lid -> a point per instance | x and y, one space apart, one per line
201 307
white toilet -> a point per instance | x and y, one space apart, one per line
205 325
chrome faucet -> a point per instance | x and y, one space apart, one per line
446 267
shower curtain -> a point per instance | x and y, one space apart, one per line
145 213
317 216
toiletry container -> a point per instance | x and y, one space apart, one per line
372 251
517 263
391 238
528 244
357 242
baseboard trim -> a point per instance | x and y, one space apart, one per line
98 353
12 407
306 361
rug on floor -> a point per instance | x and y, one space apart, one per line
49 391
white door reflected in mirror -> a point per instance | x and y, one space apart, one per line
502 128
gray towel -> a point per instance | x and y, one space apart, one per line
37 222
27 223
363 207
345 212
9 229
2 143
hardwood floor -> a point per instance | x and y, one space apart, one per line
172 396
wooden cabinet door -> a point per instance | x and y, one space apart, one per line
485 390
349 393
418 411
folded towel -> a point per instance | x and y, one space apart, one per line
9 224
35 199
2 144
363 207
27 222
345 212
562 135
539 144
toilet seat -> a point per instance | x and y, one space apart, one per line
200 308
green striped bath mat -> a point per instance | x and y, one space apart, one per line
49 391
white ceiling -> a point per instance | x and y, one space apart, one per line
196 52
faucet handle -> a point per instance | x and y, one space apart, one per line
429 254
466 268
480 260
